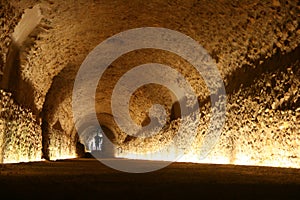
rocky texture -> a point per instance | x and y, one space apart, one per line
9 19
244 37
262 126
21 134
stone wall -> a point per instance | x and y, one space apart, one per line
20 132
9 19
246 39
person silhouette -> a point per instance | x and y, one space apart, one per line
98 141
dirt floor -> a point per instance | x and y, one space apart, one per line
88 178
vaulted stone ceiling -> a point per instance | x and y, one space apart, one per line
255 45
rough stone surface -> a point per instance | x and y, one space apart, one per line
245 38
21 133
9 19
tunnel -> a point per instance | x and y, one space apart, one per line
40 63
106 129
193 82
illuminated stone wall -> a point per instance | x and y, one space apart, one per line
20 133
262 124
242 37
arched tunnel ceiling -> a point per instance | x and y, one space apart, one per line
249 40
254 31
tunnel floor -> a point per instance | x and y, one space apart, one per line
88 178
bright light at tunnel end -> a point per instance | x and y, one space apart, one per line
95 64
